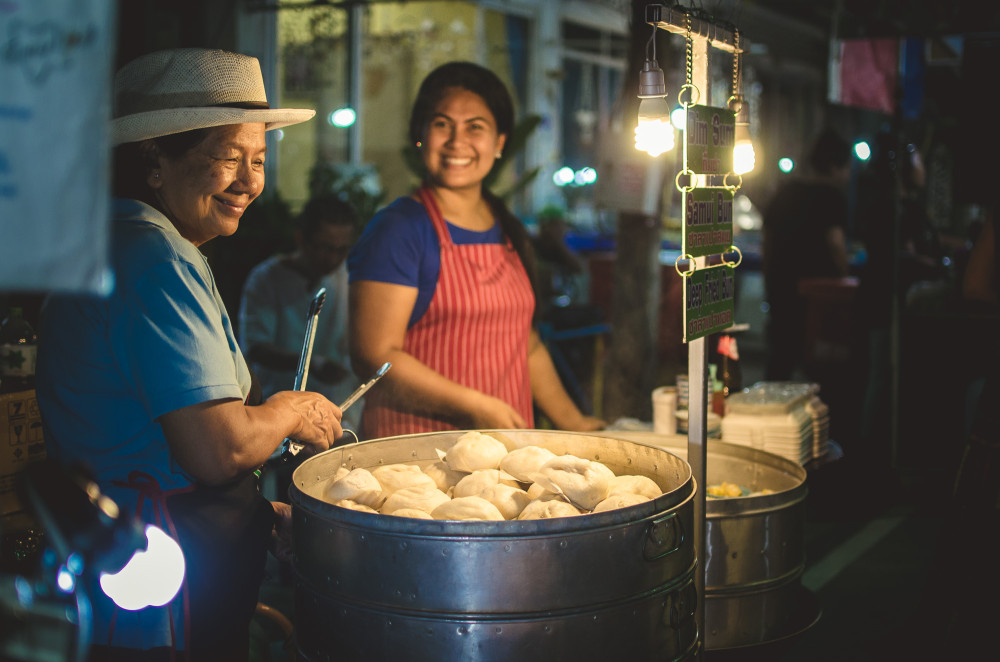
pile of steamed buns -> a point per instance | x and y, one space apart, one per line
479 479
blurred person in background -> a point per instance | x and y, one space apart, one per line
804 236
277 297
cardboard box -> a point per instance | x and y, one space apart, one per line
21 443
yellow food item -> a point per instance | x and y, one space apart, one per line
725 490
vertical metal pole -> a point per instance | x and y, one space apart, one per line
355 55
697 455
697 390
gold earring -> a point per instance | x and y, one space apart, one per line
498 155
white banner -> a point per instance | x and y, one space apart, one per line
56 60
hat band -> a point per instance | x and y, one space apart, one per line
248 105
177 101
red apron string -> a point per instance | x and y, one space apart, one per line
149 488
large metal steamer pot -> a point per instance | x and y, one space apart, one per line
755 551
606 586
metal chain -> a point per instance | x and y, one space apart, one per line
688 50
736 61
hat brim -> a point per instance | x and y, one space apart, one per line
156 123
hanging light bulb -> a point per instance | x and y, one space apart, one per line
654 134
743 155
744 158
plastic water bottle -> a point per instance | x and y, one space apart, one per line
18 352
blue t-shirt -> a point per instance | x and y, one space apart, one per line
399 246
109 367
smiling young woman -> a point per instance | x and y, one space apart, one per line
442 281
461 144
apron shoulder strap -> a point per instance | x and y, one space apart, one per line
437 219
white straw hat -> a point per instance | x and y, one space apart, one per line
192 88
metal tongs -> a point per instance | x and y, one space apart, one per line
290 447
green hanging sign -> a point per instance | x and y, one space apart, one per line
709 138
708 221
708 302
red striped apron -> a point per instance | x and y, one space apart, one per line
475 332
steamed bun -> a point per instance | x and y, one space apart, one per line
537 490
354 505
583 482
634 485
510 501
444 477
620 501
549 508
475 451
394 477
358 485
523 463
412 513
467 508
420 497
478 481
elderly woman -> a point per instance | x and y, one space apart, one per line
440 283
147 387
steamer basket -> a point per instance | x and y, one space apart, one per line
755 552
611 585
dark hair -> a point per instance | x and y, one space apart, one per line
829 151
131 162
467 76
326 208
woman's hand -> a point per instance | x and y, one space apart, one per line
216 441
489 413
319 419
581 423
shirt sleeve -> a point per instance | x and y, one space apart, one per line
176 345
393 246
